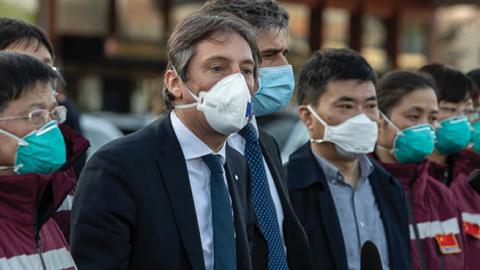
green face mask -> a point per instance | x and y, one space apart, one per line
413 144
453 135
41 151
476 137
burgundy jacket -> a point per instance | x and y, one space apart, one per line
76 146
29 237
461 165
436 214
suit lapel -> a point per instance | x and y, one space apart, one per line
173 168
276 174
239 214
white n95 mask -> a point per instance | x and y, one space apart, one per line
227 105
356 135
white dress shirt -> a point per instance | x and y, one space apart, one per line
237 142
199 175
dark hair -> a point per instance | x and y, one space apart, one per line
13 32
452 84
475 76
261 14
397 84
19 73
184 39
327 66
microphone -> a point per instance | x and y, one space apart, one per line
370 258
474 180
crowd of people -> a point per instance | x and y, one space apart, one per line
391 161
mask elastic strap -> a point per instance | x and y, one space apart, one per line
390 121
47 127
15 137
321 122
390 150
15 168
395 126
188 105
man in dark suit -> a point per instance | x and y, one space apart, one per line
173 195
343 198
279 239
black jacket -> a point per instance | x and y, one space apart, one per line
314 205
134 209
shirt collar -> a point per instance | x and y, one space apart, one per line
192 146
334 175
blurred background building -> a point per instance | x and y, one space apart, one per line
112 52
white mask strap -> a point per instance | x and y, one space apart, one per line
189 105
15 137
390 122
321 122
390 150
15 168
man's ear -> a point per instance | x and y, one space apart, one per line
174 84
306 117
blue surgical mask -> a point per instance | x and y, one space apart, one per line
41 151
453 135
275 91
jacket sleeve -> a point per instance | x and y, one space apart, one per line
103 214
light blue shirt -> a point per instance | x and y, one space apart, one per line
199 175
357 211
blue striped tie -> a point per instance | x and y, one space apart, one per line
262 201
223 229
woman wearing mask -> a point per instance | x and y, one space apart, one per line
408 104
36 175
453 135
472 156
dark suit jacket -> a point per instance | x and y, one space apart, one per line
134 209
314 205
296 241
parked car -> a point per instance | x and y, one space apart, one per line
98 131
127 123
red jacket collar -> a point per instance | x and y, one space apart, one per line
412 176
25 197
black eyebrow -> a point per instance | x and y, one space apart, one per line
345 99
227 60
372 98
417 109
272 51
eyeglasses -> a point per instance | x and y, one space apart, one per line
41 117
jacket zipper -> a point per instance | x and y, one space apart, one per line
38 245
36 230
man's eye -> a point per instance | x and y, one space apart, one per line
346 106
247 71
217 68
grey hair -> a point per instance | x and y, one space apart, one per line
197 27
261 14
